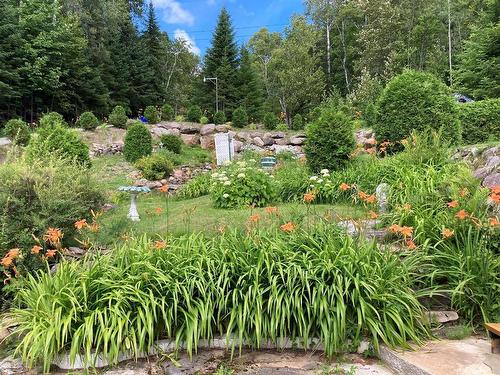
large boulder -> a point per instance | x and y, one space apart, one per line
222 128
257 141
492 180
297 141
207 142
207 129
190 139
189 129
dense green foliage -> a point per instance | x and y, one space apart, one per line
18 131
242 184
118 117
138 142
156 166
204 120
151 114
297 122
59 140
171 142
42 193
270 121
330 141
416 101
480 121
88 121
167 112
220 118
52 119
240 118
194 113
268 286
196 187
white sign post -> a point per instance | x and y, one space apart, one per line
224 148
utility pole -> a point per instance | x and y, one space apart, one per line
216 80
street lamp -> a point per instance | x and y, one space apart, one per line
214 79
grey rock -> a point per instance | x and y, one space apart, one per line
158 132
12 366
491 151
278 135
238 145
191 139
4 141
283 141
492 180
221 128
442 316
207 129
257 141
154 184
243 136
189 129
285 148
76 252
297 141
207 142
493 161
349 227
170 125
141 182
268 141
481 173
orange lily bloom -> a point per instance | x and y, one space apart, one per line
254 218
406 231
159 245
36 249
271 210
463 192
447 233
494 222
288 227
309 197
53 235
80 224
363 195
495 197
395 228
164 189
453 204
158 210
370 199
373 215
343 186
7 262
411 245
13 253
51 253
461 215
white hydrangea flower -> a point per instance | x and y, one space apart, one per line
325 171
271 176
225 196
223 178
313 178
320 180
241 175
215 175
311 186
227 183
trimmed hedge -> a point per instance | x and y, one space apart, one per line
118 117
194 113
416 101
52 119
330 141
240 118
87 120
18 131
480 121
220 118
151 114
138 142
171 142
270 121
156 166
167 112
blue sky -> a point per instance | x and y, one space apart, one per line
194 20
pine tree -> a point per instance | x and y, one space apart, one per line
221 61
250 88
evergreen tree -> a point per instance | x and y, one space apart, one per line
250 88
221 61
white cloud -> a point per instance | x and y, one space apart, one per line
173 12
190 43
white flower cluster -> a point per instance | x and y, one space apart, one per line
320 180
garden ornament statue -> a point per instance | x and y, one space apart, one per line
382 194
134 191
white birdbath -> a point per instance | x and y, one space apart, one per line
134 191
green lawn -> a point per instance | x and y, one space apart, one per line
193 215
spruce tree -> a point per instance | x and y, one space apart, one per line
250 88
221 61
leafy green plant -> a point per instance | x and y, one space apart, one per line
18 131
118 117
297 122
171 142
291 180
59 140
52 119
204 120
330 141
480 121
220 118
88 121
196 187
138 142
305 285
282 127
240 118
180 118
416 101
270 121
156 166
194 113
240 185
167 112
151 114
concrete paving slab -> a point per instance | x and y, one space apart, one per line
471 356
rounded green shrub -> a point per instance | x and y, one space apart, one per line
156 166
151 114
52 119
171 142
330 141
59 140
480 121
416 101
297 122
204 120
180 118
220 118
167 112
88 121
138 142
270 121
118 117
282 127
240 118
370 115
194 113
18 131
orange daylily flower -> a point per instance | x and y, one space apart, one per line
370 199
463 192
36 249
271 210
164 189
254 218
288 227
160 245
411 245
495 197
309 197
94 227
80 224
343 186
494 222
158 210
51 253
406 231
53 235
453 204
461 215
447 233
395 228
373 215
407 207
6 262
362 195
13 253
